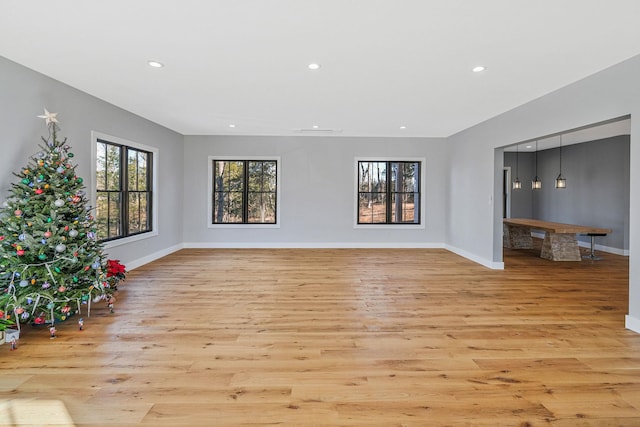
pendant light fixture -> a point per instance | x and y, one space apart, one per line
517 185
536 184
561 182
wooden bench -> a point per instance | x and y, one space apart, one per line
560 243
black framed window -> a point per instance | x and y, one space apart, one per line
389 192
124 177
245 191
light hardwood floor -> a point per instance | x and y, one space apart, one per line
339 337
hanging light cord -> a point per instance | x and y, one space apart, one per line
560 154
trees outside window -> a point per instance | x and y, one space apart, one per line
389 192
124 181
244 191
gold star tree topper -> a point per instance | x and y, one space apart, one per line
49 117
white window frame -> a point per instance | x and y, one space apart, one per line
423 181
95 136
210 222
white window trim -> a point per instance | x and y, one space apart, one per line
423 181
210 222
95 136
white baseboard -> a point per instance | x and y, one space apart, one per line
632 323
482 261
309 245
152 257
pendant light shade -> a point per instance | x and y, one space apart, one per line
561 182
517 185
536 184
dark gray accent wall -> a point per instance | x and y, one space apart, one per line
521 200
597 192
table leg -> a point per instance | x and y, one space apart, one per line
518 237
560 247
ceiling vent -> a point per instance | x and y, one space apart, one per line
317 131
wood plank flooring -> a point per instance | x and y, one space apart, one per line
339 337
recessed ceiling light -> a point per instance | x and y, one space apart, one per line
232 125
315 126
155 64
403 127
479 69
313 66
529 146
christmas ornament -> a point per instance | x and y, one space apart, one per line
23 283
73 233
60 248
59 203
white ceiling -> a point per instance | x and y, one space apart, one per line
384 63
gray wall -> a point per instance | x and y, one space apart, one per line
611 93
317 200
23 95
597 192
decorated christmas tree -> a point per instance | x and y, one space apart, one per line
51 264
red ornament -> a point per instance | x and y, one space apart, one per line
66 228
17 212
47 234
20 252
39 190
